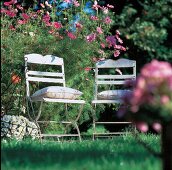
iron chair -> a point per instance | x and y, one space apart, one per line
112 74
53 77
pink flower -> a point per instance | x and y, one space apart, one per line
99 30
105 10
142 126
157 127
3 10
87 68
164 99
10 13
10 2
78 25
19 7
21 22
51 31
11 27
46 18
120 47
111 40
116 53
118 38
102 45
57 25
107 20
67 1
76 3
94 18
110 6
25 16
91 37
95 5
158 70
71 35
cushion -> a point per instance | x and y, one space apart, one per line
112 94
56 92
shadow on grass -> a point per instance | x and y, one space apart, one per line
40 154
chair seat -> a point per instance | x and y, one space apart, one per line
106 101
56 92
112 94
63 100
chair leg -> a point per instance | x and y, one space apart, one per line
94 120
37 118
74 123
28 110
77 128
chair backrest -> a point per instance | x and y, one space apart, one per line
41 75
114 77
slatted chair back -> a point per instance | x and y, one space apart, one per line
57 77
115 78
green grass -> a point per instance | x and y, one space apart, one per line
120 153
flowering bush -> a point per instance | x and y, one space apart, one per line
78 31
151 100
86 20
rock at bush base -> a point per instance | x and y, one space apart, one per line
17 127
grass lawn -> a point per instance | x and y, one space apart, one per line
119 153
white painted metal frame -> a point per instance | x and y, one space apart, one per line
49 77
108 80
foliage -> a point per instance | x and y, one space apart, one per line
146 29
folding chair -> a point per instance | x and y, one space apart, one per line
111 74
53 94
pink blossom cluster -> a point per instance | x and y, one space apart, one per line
111 41
153 88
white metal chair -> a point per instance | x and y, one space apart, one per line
53 77
112 74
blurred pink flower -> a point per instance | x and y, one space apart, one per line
158 69
67 1
107 20
94 18
105 10
87 69
96 6
111 40
99 30
71 35
120 47
142 126
10 2
11 27
11 14
110 6
165 99
46 18
102 45
119 39
21 22
57 25
91 37
116 53
78 25
76 3
25 16
157 127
